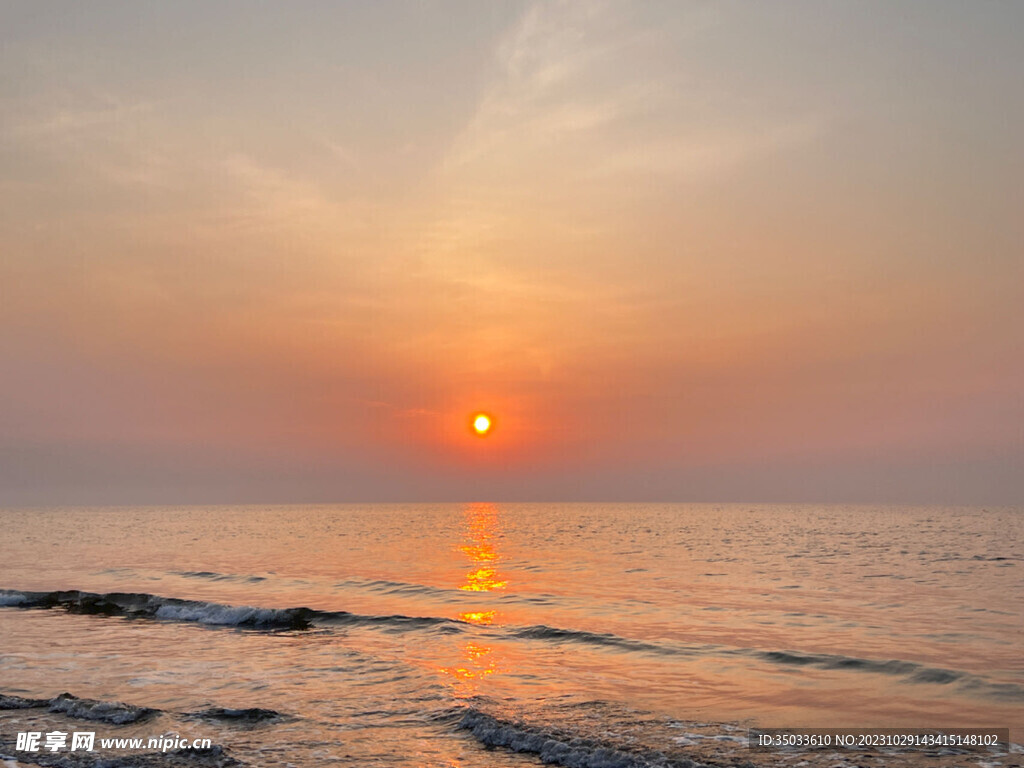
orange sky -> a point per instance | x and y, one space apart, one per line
680 251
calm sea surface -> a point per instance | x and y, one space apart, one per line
455 635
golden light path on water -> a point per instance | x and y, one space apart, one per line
481 530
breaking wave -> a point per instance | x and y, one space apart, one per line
557 747
113 712
139 605
119 713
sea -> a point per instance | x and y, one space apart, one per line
482 635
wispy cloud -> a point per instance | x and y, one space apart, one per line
602 91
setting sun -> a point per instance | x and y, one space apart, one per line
481 424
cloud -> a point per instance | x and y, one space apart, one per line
584 91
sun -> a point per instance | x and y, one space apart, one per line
482 424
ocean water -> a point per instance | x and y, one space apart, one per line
483 635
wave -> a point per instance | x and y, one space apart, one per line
445 594
141 605
910 671
119 713
387 587
830 661
556 747
249 715
213 576
18 702
112 712
148 606
557 634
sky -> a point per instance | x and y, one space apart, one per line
680 251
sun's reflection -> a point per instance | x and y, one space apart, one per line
482 528
478 617
476 664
